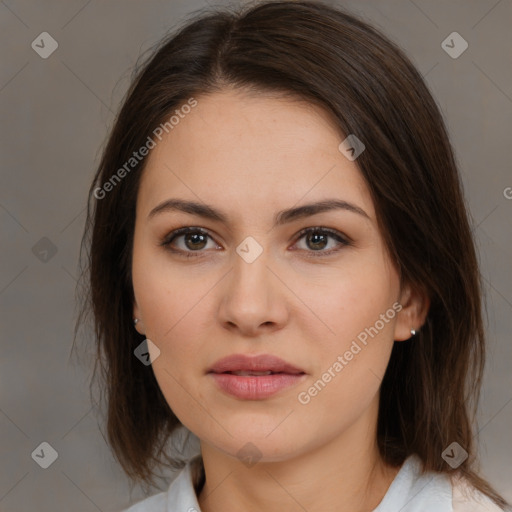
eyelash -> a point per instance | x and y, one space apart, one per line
166 242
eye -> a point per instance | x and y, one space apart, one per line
188 240
317 239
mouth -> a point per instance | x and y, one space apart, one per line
245 373
254 377
245 366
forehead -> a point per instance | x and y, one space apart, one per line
251 150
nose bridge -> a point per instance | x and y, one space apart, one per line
250 274
252 296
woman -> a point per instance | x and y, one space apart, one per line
281 263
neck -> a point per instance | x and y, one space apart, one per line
345 474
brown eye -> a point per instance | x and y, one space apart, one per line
317 239
188 240
195 241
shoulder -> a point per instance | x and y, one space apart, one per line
156 503
465 498
180 496
417 490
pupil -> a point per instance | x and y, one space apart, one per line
195 239
318 239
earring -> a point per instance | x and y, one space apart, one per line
135 320
413 332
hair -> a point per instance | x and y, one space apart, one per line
310 51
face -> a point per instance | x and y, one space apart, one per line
258 275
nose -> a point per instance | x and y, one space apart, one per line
254 299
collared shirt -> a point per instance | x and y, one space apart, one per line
410 491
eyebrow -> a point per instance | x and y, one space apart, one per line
282 217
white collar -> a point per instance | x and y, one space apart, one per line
410 491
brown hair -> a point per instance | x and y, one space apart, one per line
327 57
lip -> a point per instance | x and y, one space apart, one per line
252 387
261 363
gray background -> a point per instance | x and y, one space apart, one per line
56 113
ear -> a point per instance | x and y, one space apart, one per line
415 305
139 326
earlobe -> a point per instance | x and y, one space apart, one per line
137 323
139 327
415 305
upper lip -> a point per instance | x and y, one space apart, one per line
261 363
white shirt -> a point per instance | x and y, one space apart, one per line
409 492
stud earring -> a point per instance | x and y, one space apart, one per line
135 320
413 332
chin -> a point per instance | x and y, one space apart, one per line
257 445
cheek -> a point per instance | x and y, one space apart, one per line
175 326
177 311
358 309
165 292
347 305
350 367
175 322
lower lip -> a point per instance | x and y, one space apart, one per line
255 387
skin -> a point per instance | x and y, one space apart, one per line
251 156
